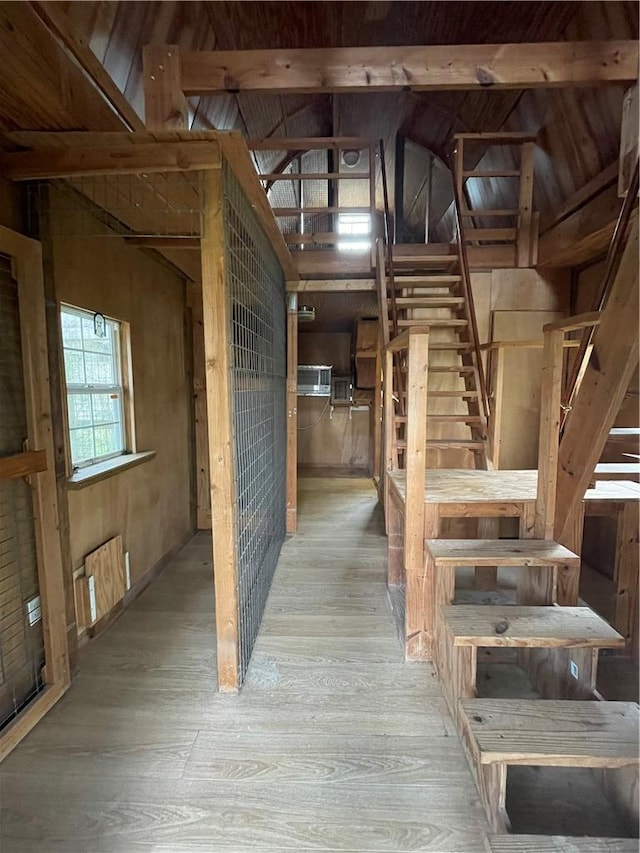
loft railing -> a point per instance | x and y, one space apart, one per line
614 256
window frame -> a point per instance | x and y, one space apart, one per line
122 364
346 223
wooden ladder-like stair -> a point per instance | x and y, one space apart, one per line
557 644
428 290
491 156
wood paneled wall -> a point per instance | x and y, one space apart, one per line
149 505
330 440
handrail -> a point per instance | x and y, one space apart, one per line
388 239
403 340
613 261
466 284
391 277
573 324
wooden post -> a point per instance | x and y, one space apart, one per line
220 425
398 195
418 645
292 413
377 415
165 105
497 359
203 489
387 431
525 205
27 261
549 440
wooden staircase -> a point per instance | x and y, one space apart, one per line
430 290
557 645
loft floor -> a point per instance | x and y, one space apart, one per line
334 744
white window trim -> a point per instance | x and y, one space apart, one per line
91 471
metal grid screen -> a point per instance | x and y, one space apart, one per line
256 293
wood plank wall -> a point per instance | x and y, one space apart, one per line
149 505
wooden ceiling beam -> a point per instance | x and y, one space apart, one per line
308 143
112 160
410 68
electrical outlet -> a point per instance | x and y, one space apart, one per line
127 570
34 611
93 607
573 669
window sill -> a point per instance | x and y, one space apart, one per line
102 470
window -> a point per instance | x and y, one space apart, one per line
355 224
95 393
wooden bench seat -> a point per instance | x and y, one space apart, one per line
559 844
546 733
553 642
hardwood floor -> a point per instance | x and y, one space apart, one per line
334 744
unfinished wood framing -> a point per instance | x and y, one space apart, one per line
27 262
203 490
605 382
409 68
220 429
165 105
292 413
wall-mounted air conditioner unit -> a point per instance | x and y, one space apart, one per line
314 380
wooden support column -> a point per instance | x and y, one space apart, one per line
203 489
387 432
376 409
165 105
524 243
292 412
398 196
497 394
418 643
549 440
220 427
26 257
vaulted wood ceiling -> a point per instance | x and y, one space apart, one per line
579 129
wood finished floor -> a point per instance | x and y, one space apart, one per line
334 744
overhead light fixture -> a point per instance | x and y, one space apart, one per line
306 314
351 157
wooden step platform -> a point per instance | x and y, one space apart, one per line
553 733
500 733
500 552
560 646
559 844
518 626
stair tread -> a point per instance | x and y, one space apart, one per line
546 627
447 443
427 278
454 419
433 322
500 552
553 732
429 301
450 347
560 844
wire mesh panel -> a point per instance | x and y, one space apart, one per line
21 635
256 293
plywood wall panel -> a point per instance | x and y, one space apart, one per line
149 505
